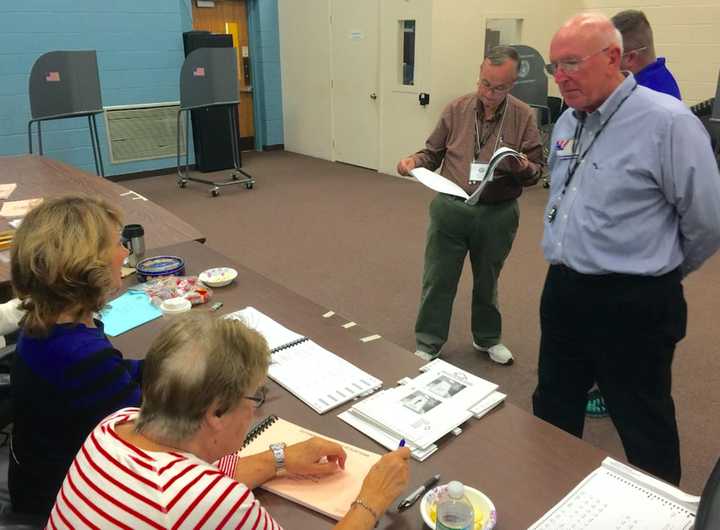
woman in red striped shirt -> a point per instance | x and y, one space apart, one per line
151 467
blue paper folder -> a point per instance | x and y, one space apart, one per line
128 311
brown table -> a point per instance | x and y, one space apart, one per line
37 176
523 464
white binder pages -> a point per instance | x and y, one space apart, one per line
315 375
423 409
619 497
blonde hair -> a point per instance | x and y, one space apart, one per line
61 259
197 362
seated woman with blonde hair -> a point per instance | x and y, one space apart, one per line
66 264
153 467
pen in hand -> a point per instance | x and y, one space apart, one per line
415 495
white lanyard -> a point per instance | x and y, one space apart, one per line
499 133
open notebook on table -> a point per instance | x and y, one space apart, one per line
317 376
619 497
423 409
330 495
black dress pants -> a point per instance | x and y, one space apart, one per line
619 331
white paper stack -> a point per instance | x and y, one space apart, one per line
315 375
423 409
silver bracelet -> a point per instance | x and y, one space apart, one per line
362 503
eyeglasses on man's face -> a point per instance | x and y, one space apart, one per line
499 89
571 65
258 398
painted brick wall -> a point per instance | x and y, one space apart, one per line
265 45
687 33
139 48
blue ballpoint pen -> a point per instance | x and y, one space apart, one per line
415 495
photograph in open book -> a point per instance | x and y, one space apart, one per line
419 402
445 387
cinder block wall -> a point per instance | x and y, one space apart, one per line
139 48
687 33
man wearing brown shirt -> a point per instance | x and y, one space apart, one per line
470 130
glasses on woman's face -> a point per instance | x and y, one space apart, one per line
258 398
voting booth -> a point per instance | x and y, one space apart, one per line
66 84
208 78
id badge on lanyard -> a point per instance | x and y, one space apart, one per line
478 170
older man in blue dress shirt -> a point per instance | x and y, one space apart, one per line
634 207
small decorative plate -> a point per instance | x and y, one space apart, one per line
485 514
218 276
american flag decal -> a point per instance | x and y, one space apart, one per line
199 71
52 77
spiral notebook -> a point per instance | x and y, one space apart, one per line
619 497
330 495
315 375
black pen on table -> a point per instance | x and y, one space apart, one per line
415 495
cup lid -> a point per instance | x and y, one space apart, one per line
133 230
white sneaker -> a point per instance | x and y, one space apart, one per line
425 356
498 353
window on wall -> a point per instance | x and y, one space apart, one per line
407 52
503 31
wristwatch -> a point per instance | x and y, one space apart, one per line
278 451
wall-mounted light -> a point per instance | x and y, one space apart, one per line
206 3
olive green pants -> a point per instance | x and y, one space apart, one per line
486 231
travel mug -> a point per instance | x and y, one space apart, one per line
135 237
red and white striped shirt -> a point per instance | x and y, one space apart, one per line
114 484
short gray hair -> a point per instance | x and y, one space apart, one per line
197 362
501 54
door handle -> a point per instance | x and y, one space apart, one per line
373 95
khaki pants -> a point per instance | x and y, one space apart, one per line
486 231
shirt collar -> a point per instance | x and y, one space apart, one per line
657 65
611 103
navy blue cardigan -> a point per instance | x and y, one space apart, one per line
62 386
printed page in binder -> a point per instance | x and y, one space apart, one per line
275 333
330 495
608 498
319 377
428 406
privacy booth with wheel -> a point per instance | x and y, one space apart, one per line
208 78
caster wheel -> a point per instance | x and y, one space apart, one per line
235 177
215 192
546 185
182 183
249 185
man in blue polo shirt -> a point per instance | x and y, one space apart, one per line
639 53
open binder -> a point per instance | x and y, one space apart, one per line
318 377
330 495
424 409
443 185
618 496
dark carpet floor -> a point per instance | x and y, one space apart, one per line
352 240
